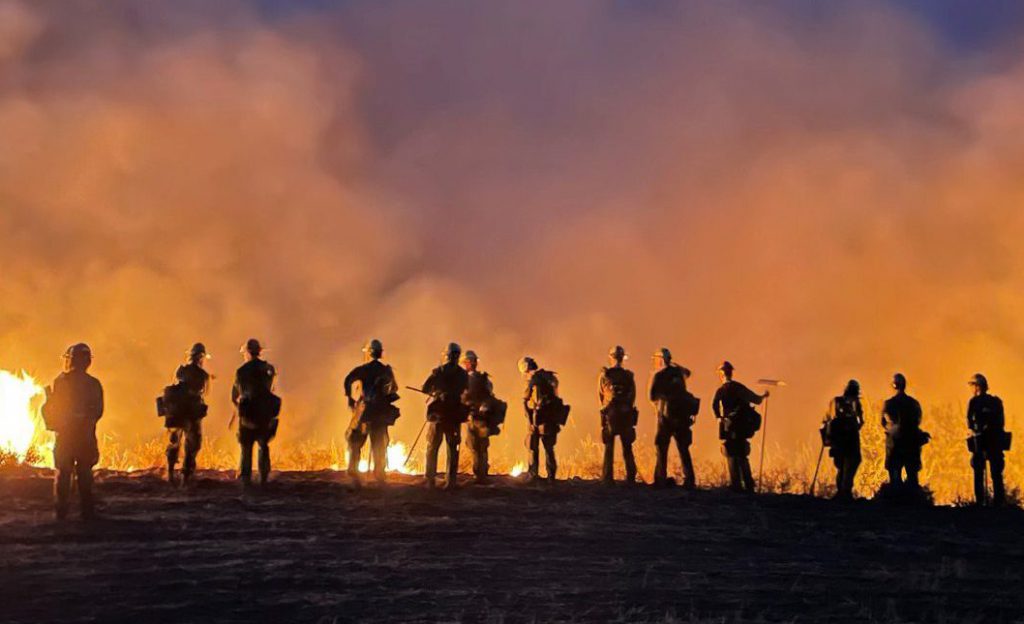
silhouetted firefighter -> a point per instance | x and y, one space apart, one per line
486 414
989 440
183 407
616 392
258 410
445 414
901 418
546 413
738 422
74 404
677 412
373 411
841 433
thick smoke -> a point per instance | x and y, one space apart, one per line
812 193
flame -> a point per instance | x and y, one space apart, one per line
396 454
517 470
19 420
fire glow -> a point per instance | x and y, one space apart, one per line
20 423
396 456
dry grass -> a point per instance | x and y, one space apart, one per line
946 470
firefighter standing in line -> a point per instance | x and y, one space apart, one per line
445 414
194 383
842 429
616 392
901 419
738 422
74 405
486 414
257 410
373 411
546 413
677 412
989 440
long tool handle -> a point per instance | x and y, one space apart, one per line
764 434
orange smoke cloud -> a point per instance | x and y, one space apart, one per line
813 199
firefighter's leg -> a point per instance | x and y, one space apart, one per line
173 449
453 444
997 462
852 465
433 446
356 439
264 460
551 461
534 469
628 458
662 439
379 440
484 456
193 442
735 470
83 473
245 441
62 479
683 439
608 466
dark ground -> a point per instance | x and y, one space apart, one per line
308 550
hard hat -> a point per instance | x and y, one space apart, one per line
664 354
978 380
197 349
78 350
617 352
527 364
252 347
374 347
78 355
899 381
852 388
469 356
726 367
453 349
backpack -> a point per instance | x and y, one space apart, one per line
178 406
744 422
619 380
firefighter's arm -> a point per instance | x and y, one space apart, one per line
99 401
392 386
428 385
716 404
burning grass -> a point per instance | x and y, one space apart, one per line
947 473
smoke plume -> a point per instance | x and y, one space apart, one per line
812 192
